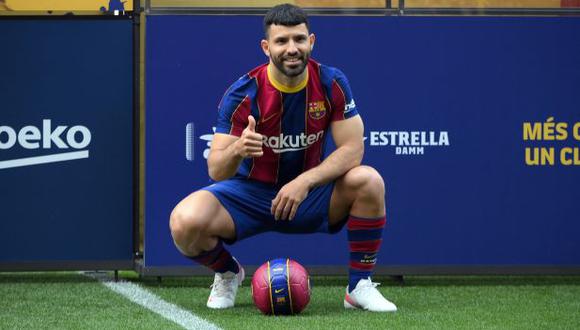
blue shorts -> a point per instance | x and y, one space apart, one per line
248 203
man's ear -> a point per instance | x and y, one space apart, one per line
312 40
265 47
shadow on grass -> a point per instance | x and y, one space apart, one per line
317 281
44 277
479 280
459 280
247 308
178 282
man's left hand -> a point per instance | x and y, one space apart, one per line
286 203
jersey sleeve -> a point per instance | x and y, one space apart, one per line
234 109
341 97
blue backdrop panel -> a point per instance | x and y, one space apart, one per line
66 91
444 100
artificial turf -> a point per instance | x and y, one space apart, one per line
69 301
72 301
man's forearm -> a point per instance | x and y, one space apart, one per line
335 165
223 164
227 152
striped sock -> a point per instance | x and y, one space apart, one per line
364 240
218 259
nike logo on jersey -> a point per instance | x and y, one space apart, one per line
269 117
279 290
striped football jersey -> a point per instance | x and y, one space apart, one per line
293 121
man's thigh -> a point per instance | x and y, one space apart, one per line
312 214
249 204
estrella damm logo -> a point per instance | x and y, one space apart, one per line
316 110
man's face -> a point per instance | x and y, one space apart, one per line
289 48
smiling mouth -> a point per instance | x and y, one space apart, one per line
292 61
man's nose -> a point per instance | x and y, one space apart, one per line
292 49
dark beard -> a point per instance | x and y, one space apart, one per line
294 71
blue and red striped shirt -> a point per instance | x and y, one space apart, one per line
293 122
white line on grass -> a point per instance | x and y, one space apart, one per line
155 304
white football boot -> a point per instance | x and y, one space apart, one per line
366 296
224 289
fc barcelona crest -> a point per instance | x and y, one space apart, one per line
316 110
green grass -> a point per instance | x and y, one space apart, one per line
68 301
56 300
423 302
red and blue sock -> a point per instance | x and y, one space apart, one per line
364 239
218 259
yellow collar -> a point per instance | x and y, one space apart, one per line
283 88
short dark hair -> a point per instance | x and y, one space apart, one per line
285 14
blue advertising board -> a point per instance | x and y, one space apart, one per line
472 121
66 145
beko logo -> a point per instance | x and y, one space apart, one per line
47 138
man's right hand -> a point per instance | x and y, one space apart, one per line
250 143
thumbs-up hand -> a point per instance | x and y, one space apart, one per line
250 143
251 124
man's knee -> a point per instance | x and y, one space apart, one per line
184 223
365 181
198 221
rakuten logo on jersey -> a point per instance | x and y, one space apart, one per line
48 138
285 143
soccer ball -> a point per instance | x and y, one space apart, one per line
281 287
